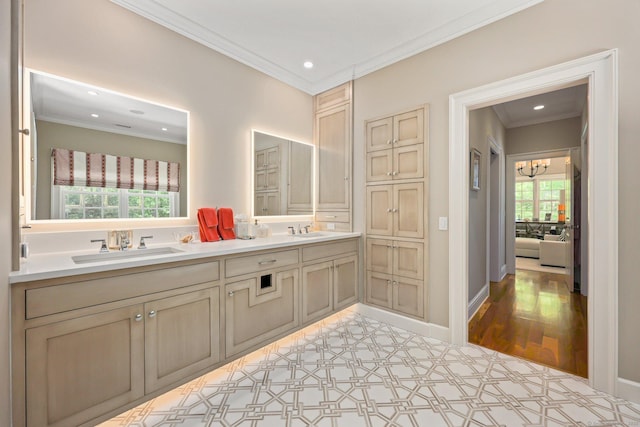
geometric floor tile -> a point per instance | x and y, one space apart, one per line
349 370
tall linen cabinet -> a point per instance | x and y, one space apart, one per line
396 243
333 136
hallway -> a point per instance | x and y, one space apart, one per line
533 315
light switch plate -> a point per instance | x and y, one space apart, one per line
443 223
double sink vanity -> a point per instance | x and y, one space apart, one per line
95 334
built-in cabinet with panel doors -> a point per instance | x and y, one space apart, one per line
93 351
329 279
396 211
333 139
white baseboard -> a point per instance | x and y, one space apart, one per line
503 271
629 390
477 301
413 325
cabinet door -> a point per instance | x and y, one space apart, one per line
273 179
272 157
300 194
333 137
379 134
408 296
317 290
408 259
408 211
379 289
379 210
261 180
182 336
408 162
81 368
408 128
380 165
345 281
380 255
260 308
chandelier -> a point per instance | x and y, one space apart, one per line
532 168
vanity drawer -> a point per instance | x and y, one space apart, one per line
254 263
63 297
333 216
328 250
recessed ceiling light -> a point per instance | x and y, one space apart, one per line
136 111
538 107
164 129
92 92
95 115
308 65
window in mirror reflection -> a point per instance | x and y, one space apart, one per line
62 114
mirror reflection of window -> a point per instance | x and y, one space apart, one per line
74 116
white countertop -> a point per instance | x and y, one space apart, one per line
52 265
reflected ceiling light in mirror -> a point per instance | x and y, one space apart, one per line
94 115
308 65
164 129
92 93
538 107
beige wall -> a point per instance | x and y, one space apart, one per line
483 123
55 135
103 44
549 33
544 136
5 203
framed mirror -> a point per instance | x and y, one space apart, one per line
95 154
282 176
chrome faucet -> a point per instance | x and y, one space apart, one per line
103 248
142 244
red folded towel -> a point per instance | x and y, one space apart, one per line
208 225
225 223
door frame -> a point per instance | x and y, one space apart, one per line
496 233
601 73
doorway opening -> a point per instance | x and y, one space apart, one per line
600 72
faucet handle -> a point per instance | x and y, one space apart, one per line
306 228
103 248
293 230
142 244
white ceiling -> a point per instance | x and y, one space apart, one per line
559 104
344 39
59 100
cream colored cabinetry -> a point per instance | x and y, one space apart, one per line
329 279
91 346
260 308
267 203
395 272
267 182
333 139
86 347
396 212
269 158
80 368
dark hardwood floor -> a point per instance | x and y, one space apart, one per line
534 316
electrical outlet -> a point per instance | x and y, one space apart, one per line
443 223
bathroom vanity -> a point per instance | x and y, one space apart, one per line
93 339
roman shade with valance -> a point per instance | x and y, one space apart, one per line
78 168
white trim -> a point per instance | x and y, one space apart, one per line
601 70
495 147
478 300
503 270
429 330
478 18
629 390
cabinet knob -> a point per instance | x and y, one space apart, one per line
346 178
138 317
389 173
389 210
395 210
152 313
395 283
394 173
395 141
388 282
388 142
230 293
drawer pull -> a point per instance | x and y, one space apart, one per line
270 261
230 293
138 317
331 216
152 313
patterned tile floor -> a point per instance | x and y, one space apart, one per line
349 370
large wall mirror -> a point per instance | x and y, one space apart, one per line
95 154
282 176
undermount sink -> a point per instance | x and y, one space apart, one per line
312 234
124 255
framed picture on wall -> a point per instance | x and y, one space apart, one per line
475 169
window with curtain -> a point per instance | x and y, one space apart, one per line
99 186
